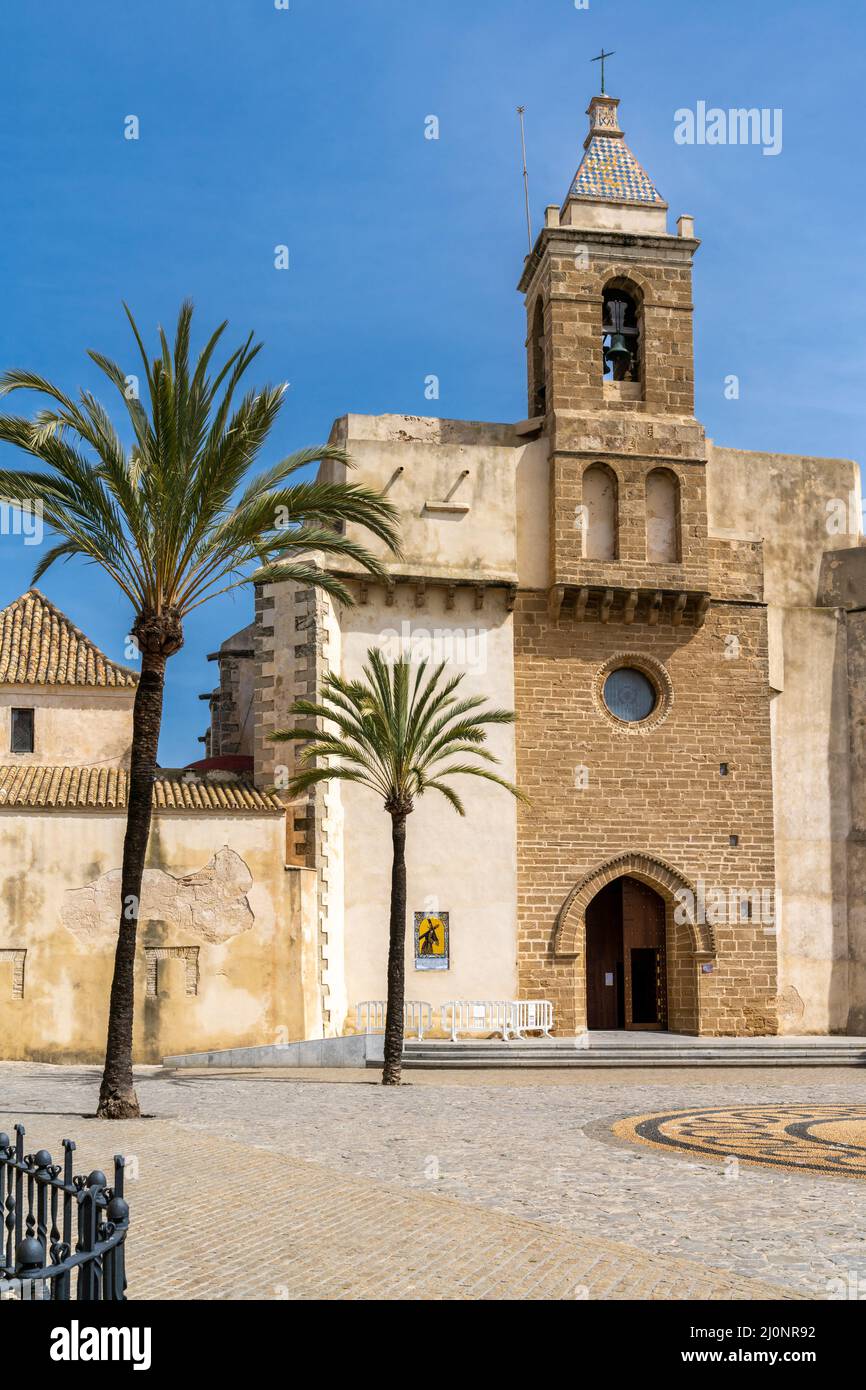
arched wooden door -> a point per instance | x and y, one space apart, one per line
626 976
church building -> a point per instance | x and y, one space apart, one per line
680 629
679 626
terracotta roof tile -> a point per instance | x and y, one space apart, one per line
40 646
105 788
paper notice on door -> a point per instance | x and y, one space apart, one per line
608 977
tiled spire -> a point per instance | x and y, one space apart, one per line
609 171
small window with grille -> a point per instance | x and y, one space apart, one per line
22 731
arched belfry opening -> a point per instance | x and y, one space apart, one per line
621 335
537 369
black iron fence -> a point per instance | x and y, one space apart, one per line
44 1209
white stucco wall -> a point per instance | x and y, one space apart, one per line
465 866
243 911
812 821
801 508
458 484
72 725
491 528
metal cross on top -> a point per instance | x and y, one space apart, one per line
600 59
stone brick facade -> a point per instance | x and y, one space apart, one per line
230 707
650 804
292 645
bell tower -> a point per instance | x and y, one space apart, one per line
608 293
641 666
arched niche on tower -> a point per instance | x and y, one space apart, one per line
663 543
600 512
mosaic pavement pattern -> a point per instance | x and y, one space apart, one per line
809 1138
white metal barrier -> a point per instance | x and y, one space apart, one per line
476 1016
417 1016
511 1018
531 1016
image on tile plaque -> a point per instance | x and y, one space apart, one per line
432 945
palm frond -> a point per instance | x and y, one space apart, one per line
449 793
182 515
403 732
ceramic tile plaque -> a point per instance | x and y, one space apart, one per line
432 943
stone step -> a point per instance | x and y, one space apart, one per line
590 1061
751 1052
634 1052
574 1045
513 1049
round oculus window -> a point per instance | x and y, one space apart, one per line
630 695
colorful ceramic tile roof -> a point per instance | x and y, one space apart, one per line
610 171
40 646
105 789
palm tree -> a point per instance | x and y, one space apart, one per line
400 736
164 520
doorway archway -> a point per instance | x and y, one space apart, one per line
689 940
626 958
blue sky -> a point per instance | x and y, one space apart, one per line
305 127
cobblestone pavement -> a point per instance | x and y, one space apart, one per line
545 1202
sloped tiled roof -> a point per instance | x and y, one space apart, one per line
610 171
40 646
105 789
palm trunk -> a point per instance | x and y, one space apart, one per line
117 1098
396 955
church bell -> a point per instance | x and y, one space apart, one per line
619 352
